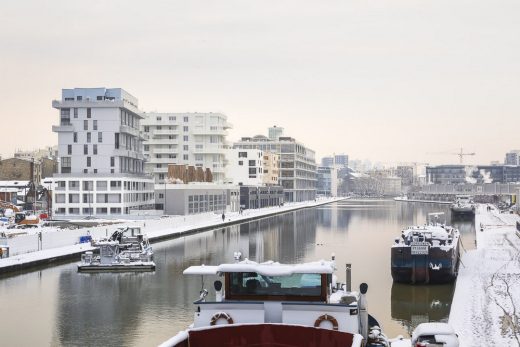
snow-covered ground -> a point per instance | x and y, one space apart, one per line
57 242
486 305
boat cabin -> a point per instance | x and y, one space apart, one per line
303 294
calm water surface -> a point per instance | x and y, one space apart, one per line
59 307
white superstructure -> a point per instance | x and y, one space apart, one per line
197 139
101 164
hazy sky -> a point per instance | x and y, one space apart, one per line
389 80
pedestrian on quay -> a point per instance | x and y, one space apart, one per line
223 217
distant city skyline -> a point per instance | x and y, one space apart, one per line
383 80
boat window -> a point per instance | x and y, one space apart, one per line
296 285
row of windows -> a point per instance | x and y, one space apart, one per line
88 210
89 137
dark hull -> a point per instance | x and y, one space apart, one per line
425 269
115 268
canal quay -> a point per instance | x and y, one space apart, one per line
61 307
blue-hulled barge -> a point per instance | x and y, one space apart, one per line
426 254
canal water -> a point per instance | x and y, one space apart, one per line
56 306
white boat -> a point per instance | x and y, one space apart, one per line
433 334
125 250
273 304
463 205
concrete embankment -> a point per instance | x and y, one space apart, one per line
486 303
62 245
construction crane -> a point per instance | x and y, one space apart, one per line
460 154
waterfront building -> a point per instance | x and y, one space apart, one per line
446 174
327 181
271 169
261 196
101 163
297 164
192 198
196 139
245 167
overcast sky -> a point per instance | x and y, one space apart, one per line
388 80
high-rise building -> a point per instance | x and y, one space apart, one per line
245 167
275 133
338 160
297 164
101 164
512 158
196 139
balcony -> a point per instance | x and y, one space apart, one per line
207 131
129 130
65 128
166 132
165 150
160 169
211 149
130 154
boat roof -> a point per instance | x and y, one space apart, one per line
437 231
267 269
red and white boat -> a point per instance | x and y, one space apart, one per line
273 304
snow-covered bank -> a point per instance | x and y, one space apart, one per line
403 199
57 243
486 305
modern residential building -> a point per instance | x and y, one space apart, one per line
271 169
245 167
192 198
101 163
197 139
297 164
327 181
512 158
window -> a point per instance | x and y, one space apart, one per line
185 147
146 129
198 157
89 137
69 99
85 171
94 149
252 163
161 176
172 118
89 113
89 161
65 164
252 171
99 98
117 140
75 112
94 125
159 118
185 128
69 149
112 161
185 119
146 148
185 157
100 137
242 154
185 137
240 162
75 137
85 124
85 149
161 196
79 98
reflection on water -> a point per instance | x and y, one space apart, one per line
145 309
412 305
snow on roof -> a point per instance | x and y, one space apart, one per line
432 329
437 231
266 269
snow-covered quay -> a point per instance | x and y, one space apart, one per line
486 305
58 244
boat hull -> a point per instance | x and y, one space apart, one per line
463 210
263 335
116 268
438 266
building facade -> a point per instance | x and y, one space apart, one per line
17 169
446 174
338 160
260 197
101 163
197 139
245 167
297 165
271 169
193 198
512 158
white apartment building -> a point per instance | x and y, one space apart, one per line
101 164
245 167
197 139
